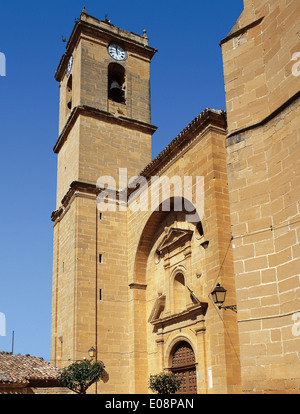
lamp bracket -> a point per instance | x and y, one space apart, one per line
232 307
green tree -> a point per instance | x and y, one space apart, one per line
80 375
165 383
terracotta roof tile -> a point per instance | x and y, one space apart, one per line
23 369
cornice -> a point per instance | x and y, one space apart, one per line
82 188
105 34
234 138
103 116
239 32
174 238
192 312
209 118
137 286
79 186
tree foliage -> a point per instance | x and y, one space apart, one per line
165 383
80 375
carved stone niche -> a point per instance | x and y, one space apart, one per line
175 241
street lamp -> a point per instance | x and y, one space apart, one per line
92 352
219 295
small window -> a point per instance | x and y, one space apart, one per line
100 258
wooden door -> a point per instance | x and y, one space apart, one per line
183 364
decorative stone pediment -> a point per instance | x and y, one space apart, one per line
157 309
192 317
174 238
175 241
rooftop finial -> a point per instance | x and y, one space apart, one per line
145 33
106 19
83 10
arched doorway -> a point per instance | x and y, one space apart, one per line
184 364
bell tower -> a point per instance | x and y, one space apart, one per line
104 125
105 114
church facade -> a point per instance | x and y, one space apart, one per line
140 245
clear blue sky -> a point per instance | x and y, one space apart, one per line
186 78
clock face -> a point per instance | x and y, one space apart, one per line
117 52
69 66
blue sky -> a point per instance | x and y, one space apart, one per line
186 78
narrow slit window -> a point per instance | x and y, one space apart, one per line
100 258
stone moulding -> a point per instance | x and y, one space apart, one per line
138 286
157 309
175 238
209 118
194 315
99 31
100 115
240 31
233 137
76 186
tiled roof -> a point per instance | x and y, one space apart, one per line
25 369
209 116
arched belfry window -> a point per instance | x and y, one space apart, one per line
69 93
116 82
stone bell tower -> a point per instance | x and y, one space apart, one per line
104 125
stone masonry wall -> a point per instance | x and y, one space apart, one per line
206 158
263 153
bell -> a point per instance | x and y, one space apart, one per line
115 85
116 92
